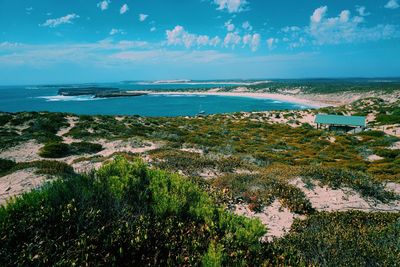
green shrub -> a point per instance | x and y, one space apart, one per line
54 150
6 165
373 133
61 150
4 119
262 190
342 239
388 153
84 148
124 215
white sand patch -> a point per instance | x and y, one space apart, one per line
276 218
243 171
19 182
72 122
208 174
87 166
370 117
192 150
393 129
394 187
23 152
281 117
324 198
241 89
374 157
119 118
395 146
111 147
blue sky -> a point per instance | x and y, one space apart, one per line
63 41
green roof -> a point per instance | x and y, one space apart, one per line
340 120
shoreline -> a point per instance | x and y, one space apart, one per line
279 97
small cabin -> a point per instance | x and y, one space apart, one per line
341 123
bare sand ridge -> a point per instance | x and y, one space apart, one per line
19 182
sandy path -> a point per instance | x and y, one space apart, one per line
324 198
276 218
72 122
19 182
23 152
279 220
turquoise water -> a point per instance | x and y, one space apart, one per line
45 98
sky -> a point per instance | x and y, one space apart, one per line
64 41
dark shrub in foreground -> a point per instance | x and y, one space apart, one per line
344 239
125 215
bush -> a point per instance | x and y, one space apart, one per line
373 133
61 150
85 148
125 215
6 165
342 239
4 119
54 150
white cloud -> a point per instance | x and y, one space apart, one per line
253 41
291 29
298 43
392 4
318 14
44 55
215 41
7 45
232 39
271 42
124 9
143 17
247 26
103 5
153 29
344 16
152 56
116 31
345 29
179 36
52 23
362 11
28 10
203 40
229 25
233 6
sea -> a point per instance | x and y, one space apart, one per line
46 98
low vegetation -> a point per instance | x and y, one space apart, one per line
6 165
130 214
55 168
343 239
61 150
125 214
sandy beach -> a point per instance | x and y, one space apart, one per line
279 97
